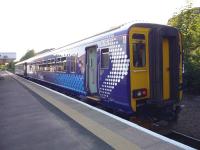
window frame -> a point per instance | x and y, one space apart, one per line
143 57
139 38
75 63
105 67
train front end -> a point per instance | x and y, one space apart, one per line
155 67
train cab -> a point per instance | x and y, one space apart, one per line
155 65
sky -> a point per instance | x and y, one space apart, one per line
43 24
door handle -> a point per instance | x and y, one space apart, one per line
139 70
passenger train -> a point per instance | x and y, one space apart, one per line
125 68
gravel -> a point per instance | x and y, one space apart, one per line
189 118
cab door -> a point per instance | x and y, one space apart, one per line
166 69
139 65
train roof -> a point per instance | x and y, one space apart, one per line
123 29
116 29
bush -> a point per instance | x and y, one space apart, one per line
192 72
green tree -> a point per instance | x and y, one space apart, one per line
29 54
11 66
188 22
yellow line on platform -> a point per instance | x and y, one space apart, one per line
111 138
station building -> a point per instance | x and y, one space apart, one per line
6 57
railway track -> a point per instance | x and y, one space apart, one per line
185 139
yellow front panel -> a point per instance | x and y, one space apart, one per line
166 70
139 76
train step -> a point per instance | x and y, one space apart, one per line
95 98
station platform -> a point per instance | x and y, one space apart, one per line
35 117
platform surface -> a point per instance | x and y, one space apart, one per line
29 122
34 117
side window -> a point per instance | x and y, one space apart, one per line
68 62
104 58
58 66
30 67
53 60
52 65
73 64
33 67
64 61
41 68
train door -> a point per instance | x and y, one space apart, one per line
164 65
166 68
170 67
139 64
91 75
25 69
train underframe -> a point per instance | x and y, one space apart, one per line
156 111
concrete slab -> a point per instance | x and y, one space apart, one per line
29 122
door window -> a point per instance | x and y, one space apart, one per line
139 55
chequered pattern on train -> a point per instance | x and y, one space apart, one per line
71 81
